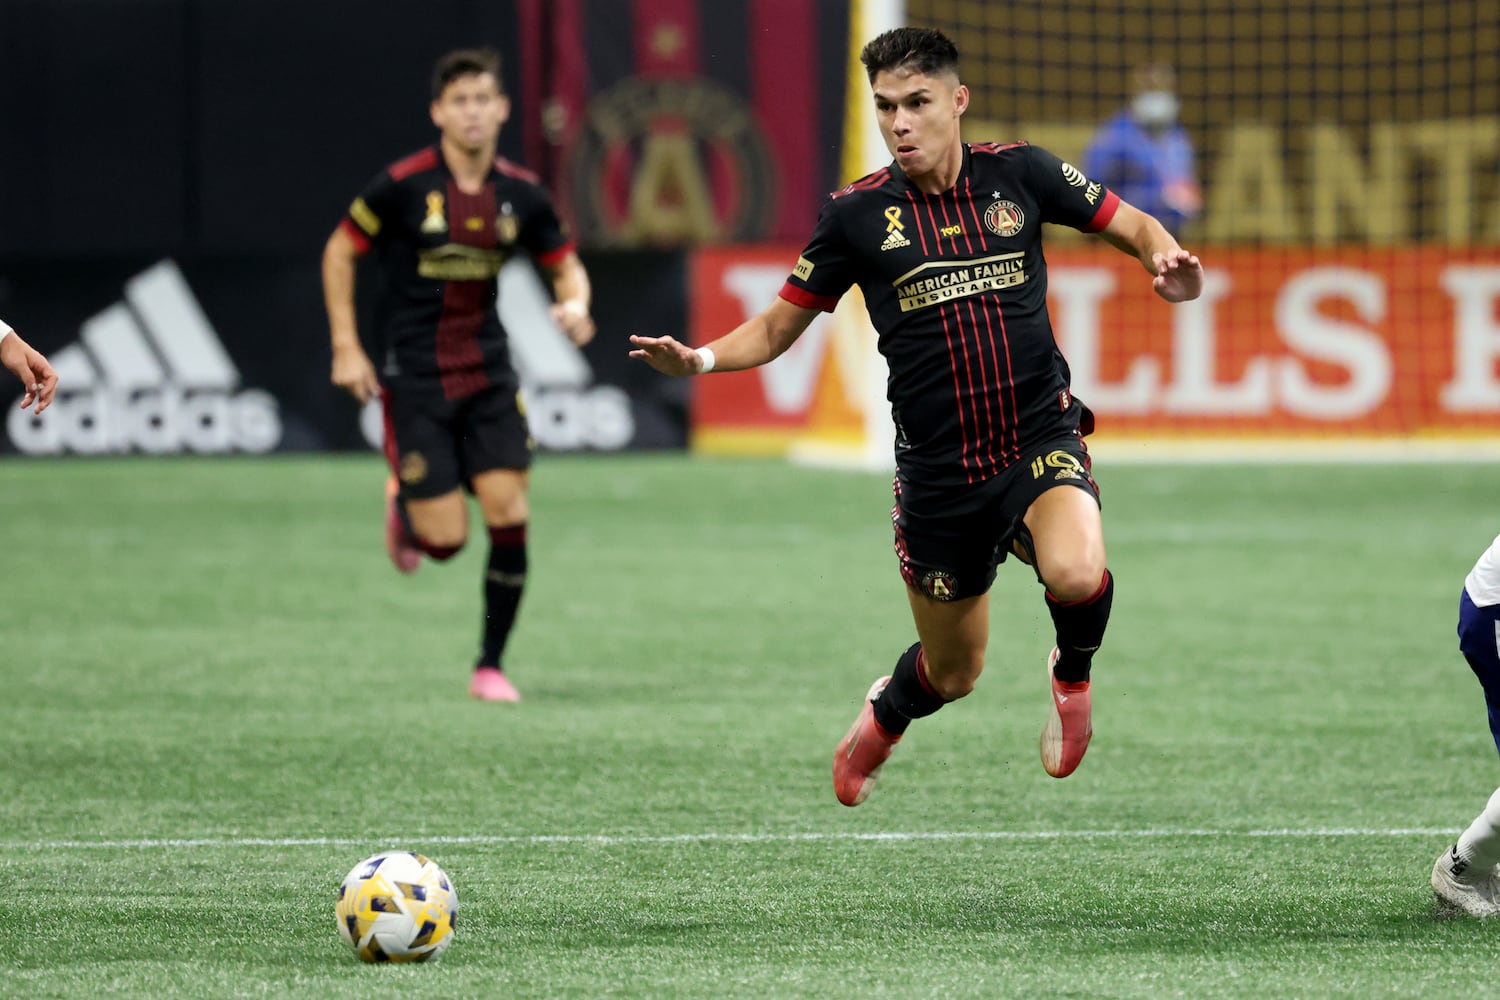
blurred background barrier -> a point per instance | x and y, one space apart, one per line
1336 164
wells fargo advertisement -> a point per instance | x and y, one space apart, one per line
1284 343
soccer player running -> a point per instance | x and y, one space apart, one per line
945 244
1465 876
27 364
442 222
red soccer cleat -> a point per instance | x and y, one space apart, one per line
1066 735
405 556
491 684
862 752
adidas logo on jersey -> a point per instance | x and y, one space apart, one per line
895 241
149 374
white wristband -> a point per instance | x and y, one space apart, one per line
5 329
708 360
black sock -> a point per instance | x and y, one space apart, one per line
504 579
1080 629
907 695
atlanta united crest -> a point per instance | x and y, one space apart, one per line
1004 218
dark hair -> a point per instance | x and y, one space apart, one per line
465 62
925 50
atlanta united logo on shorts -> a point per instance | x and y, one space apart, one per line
939 585
1004 218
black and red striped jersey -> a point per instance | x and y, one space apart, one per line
440 250
956 287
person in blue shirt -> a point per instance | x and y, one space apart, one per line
1143 154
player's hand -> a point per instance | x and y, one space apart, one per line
666 355
573 319
353 373
28 365
1179 276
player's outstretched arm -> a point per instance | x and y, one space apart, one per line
352 370
1178 275
28 365
572 291
754 342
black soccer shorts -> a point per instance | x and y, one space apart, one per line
435 445
950 540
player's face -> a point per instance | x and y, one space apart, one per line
919 115
470 111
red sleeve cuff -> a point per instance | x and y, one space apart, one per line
552 258
807 300
1106 212
361 241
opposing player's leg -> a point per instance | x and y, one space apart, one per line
496 455
1465 876
1066 540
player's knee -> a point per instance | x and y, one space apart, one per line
1076 582
953 676
441 544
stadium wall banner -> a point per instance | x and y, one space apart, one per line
665 122
223 357
1398 343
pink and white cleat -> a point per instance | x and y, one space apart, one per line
491 684
1069 727
405 555
862 752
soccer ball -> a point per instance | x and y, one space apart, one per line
397 907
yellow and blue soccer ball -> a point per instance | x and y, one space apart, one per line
397 907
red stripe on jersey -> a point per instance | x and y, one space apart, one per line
554 257
995 147
1009 393
984 440
666 38
512 169
1106 212
357 235
998 389
874 180
427 159
958 391
807 300
460 359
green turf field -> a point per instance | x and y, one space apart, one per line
218 697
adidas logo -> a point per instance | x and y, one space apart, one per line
895 241
149 374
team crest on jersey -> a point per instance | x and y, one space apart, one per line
895 237
437 219
1004 218
506 226
939 585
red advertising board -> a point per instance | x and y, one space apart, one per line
1284 342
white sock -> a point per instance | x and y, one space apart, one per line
1480 843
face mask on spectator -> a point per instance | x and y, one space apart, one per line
1154 107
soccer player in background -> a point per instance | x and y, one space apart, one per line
1465 876
945 243
442 222
28 365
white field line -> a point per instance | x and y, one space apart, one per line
611 840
